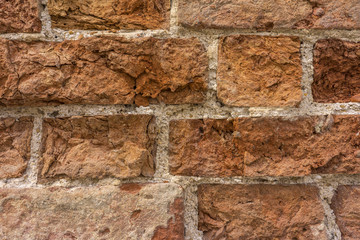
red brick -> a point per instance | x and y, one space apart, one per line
102 70
15 138
267 146
345 204
110 14
270 14
106 212
95 147
259 71
336 71
19 16
260 212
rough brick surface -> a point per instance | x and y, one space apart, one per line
336 71
111 14
265 146
128 212
260 212
259 71
345 204
109 70
269 14
15 137
19 16
95 147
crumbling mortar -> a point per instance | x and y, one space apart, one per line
211 108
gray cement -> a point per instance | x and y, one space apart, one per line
212 108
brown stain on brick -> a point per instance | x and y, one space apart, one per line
132 188
175 227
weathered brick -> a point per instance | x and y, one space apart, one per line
259 71
336 71
111 14
120 146
102 70
267 146
108 212
260 212
15 137
345 205
270 14
19 16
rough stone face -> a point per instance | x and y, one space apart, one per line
19 16
345 205
260 212
15 138
102 70
336 71
129 212
270 14
95 147
111 14
259 71
265 146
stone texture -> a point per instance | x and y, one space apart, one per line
270 14
345 205
102 70
15 138
267 146
336 71
19 16
260 212
259 71
129 212
110 14
95 147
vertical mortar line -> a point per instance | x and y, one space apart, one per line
191 213
212 53
32 168
326 192
46 21
174 16
306 51
162 161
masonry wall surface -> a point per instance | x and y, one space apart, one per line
179 119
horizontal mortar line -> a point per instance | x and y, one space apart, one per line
315 179
180 111
351 35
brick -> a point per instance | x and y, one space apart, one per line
336 71
107 212
111 14
95 147
270 14
266 146
259 71
345 205
15 138
18 16
102 70
260 212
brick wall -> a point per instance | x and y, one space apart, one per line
189 119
